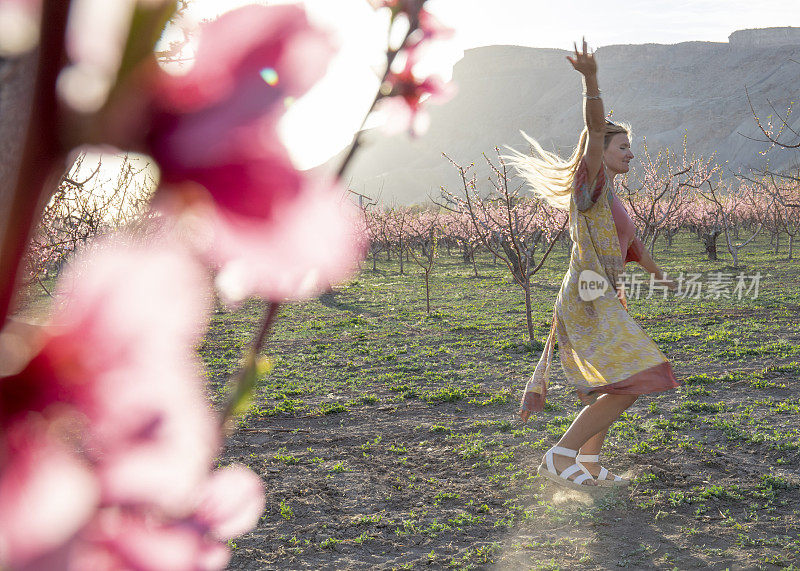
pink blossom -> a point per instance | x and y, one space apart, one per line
255 188
19 25
403 92
138 540
404 96
106 438
228 504
231 502
432 28
216 124
46 493
424 27
111 400
269 229
312 243
130 315
408 7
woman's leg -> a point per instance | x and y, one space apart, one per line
595 443
592 447
592 424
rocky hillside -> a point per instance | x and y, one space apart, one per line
691 89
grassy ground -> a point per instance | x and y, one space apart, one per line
387 438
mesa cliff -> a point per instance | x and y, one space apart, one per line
692 90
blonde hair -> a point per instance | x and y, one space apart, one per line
549 175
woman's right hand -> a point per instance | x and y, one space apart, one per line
583 61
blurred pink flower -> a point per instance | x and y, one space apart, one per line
403 92
125 330
424 27
109 410
271 230
216 125
228 504
231 502
311 244
46 493
138 540
410 8
432 28
253 189
404 96
19 25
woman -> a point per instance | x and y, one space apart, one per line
605 354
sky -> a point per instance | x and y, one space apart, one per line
341 100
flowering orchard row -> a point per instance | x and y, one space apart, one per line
80 211
725 214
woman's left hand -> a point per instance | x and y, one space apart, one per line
584 61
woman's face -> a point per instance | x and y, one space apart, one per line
618 154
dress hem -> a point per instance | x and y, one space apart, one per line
653 380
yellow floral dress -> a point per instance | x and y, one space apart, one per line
603 350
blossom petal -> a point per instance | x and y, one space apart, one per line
130 317
130 539
232 502
248 62
311 244
46 495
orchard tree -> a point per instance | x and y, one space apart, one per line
84 206
779 134
377 220
367 224
424 234
398 219
782 192
509 226
458 225
703 219
655 193
729 203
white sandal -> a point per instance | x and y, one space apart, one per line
602 478
548 469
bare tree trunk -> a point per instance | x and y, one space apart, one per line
653 241
29 147
428 291
671 236
710 243
791 245
400 256
17 79
528 317
474 265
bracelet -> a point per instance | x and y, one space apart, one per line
593 96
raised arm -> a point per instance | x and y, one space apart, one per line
593 112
